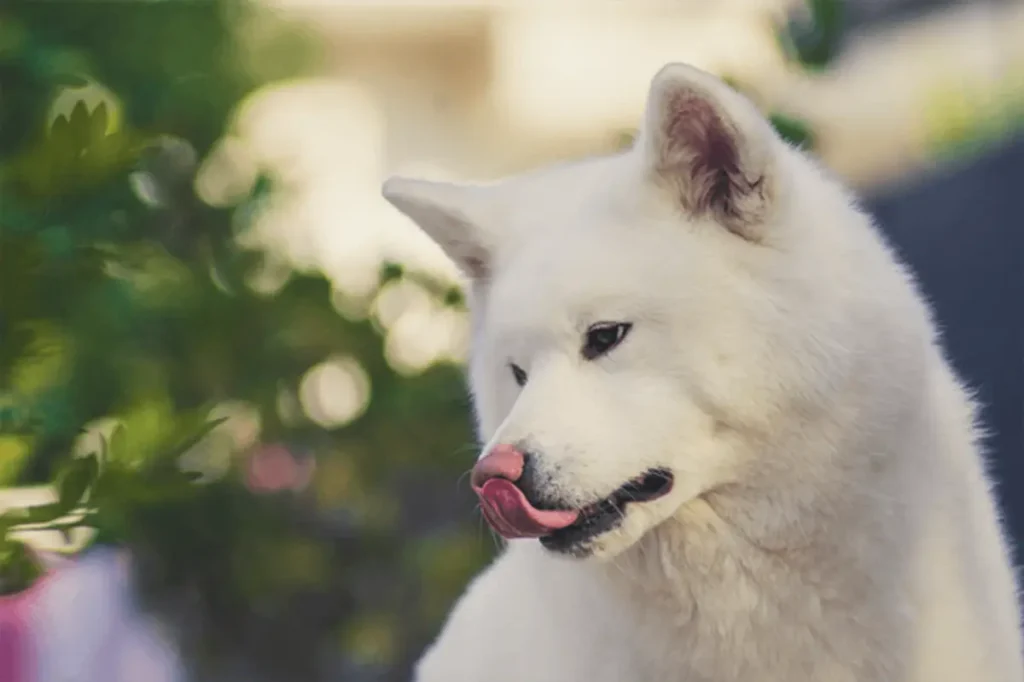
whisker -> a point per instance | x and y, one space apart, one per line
461 477
484 526
496 538
466 447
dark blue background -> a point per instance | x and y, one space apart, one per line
962 231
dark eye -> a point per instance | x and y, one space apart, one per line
604 336
518 373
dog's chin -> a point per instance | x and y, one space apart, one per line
611 525
604 547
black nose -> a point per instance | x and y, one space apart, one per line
535 483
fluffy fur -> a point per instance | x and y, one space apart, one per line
831 519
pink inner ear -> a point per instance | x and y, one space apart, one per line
700 152
694 125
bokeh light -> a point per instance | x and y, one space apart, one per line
335 392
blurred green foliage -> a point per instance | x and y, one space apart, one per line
809 39
125 299
814 37
126 309
964 118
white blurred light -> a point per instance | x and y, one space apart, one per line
398 297
243 422
354 308
458 335
558 75
228 173
413 343
335 392
420 330
210 458
325 138
146 189
271 277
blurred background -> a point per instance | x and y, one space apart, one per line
231 398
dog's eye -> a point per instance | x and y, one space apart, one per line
518 373
604 336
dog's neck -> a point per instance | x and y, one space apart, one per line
686 556
769 564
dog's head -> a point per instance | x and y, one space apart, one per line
644 324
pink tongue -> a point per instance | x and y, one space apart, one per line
509 513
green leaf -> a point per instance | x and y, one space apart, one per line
6 523
75 480
65 527
793 130
116 447
262 187
59 128
18 567
165 465
31 516
15 452
203 431
69 80
98 122
78 124
815 41
170 485
390 272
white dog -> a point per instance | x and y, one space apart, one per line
712 392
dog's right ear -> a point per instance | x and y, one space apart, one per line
710 148
452 215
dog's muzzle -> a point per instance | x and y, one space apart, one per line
503 503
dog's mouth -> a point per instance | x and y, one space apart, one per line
513 516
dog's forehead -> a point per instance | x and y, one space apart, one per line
576 275
584 242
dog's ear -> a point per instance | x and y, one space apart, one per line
710 147
452 215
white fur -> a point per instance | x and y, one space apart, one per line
831 520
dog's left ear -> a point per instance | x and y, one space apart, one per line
710 148
456 217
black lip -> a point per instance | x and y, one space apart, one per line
606 514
